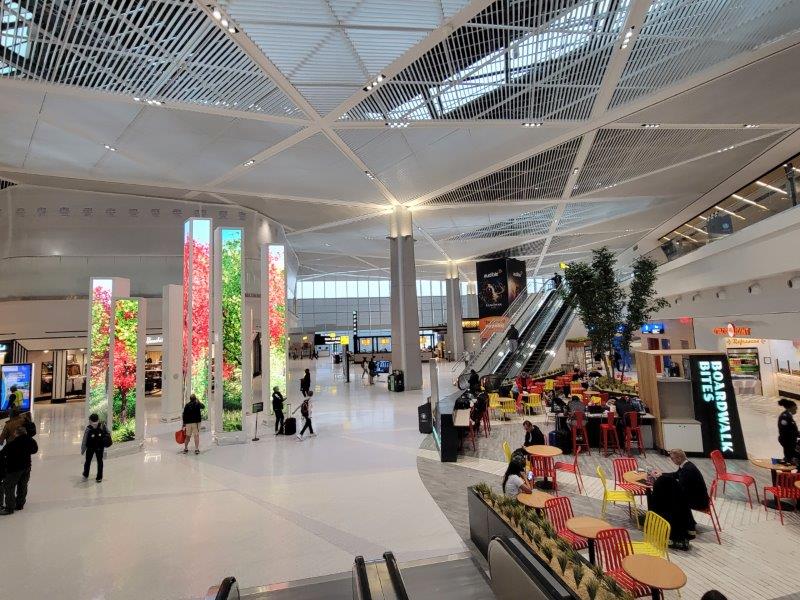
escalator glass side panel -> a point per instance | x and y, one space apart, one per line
532 341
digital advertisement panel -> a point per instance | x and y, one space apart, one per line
492 287
126 350
197 309
99 345
276 282
18 376
715 405
231 290
517 278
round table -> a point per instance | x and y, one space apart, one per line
636 478
535 499
797 484
543 451
587 527
656 572
766 463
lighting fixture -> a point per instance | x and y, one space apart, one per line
746 201
575 171
754 289
627 39
370 175
721 294
530 124
232 30
696 229
137 99
651 125
249 163
750 125
771 187
217 15
148 101
374 83
702 217
111 148
725 149
731 213
224 22
397 124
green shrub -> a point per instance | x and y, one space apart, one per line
592 587
231 420
124 432
232 392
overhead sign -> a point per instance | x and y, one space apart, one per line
332 338
731 330
657 328
715 405
470 323
154 340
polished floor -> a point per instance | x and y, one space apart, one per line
163 525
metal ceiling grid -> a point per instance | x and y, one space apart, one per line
532 223
515 60
533 248
618 155
682 37
543 175
168 51
583 214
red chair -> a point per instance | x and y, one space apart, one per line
783 488
542 466
608 432
572 468
622 466
711 511
558 511
722 475
612 546
632 427
579 427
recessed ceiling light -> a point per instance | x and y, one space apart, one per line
750 125
381 77
137 99
217 15
746 201
327 245
224 22
575 171
111 148
627 39
397 124
531 124
651 125
368 174
232 30
249 163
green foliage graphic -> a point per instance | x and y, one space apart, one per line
231 330
126 330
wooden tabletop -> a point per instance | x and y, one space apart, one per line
766 463
636 477
587 527
543 450
535 499
797 483
654 571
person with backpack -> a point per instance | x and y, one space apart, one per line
305 384
277 408
96 439
192 416
305 411
16 456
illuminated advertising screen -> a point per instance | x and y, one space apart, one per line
99 347
19 376
492 287
126 351
715 405
232 292
276 317
197 310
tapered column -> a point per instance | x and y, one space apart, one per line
455 330
405 318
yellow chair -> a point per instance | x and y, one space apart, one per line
549 385
507 451
494 401
508 406
617 496
534 402
656 536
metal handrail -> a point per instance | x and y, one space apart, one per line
394 573
361 589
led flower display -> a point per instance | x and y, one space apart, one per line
197 309
276 317
126 347
99 346
231 300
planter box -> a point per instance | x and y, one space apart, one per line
485 524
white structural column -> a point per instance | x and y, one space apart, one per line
455 330
172 358
405 318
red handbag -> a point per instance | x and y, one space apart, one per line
180 436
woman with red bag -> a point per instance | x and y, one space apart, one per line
191 423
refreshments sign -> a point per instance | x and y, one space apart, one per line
732 330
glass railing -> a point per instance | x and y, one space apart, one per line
761 199
533 339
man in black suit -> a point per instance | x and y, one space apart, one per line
692 483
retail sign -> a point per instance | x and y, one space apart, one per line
470 323
655 328
744 342
731 330
715 405
154 340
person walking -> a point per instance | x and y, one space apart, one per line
93 445
305 411
513 338
305 383
373 368
16 455
364 368
192 415
277 408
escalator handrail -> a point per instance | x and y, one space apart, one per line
224 589
534 334
394 573
361 581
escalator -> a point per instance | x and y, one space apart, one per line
455 577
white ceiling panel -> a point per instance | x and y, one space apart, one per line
312 168
54 149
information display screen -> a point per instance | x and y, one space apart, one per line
20 376
382 366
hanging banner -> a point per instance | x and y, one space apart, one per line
715 405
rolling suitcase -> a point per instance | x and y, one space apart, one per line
290 426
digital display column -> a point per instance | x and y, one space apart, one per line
197 310
273 314
127 364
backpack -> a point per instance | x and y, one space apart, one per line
107 441
304 409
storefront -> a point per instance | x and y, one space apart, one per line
153 364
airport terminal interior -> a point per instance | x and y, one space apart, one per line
422 299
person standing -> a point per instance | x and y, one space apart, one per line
305 411
556 280
513 338
305 383
192 416
474 381
277 408
787 430
372 370
16 421
17 458
94 445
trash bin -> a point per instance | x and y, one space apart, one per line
424 415
391 382
399 381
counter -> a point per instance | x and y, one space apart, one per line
788 385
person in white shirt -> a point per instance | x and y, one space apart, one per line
514 480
